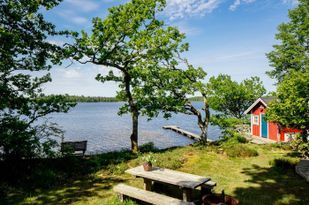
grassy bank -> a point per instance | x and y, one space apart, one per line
267 178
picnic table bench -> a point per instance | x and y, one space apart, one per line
147 196
75 146
186 182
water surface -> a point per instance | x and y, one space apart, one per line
106 131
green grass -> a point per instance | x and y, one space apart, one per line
268 178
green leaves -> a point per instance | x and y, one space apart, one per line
292 107
24 48
232 98
292 53
290 60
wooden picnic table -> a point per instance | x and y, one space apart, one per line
187 182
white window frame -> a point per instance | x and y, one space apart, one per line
255 119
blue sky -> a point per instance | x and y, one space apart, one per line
225 36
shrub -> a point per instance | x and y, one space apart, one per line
233 138
239 150
241 139
148 147
301 145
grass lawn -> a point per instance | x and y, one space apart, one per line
268 178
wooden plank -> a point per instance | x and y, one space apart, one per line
168 176
148 196
183 132
147 184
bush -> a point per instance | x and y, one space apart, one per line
148 147
233 138
301 145
239 150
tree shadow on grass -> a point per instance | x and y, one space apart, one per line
278 184
58 181
66 194
63 180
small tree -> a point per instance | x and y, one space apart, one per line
232 98
141 48
23 49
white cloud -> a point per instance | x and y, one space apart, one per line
71 16
238 2
178 9
186 28
72 73
56 42
83 5
79 20
290 2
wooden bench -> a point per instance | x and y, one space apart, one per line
207 187
75 146
147 196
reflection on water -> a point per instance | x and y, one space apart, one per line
106 131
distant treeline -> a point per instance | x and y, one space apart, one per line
197 98
82 98
76 98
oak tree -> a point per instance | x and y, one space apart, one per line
141 53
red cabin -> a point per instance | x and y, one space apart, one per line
260 127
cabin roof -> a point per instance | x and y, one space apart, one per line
264 100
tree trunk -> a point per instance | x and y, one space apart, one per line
134 114
206 120
204 133
134 135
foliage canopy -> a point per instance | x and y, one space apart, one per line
291 69
24 49
292 52
232 98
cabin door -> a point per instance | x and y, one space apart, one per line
264 126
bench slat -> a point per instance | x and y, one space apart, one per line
148 196
210 183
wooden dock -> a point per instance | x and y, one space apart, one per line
181 131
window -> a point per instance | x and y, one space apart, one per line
255 119
289 136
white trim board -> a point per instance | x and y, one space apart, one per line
254 104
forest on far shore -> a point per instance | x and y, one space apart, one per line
82 98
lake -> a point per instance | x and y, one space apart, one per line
106 131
